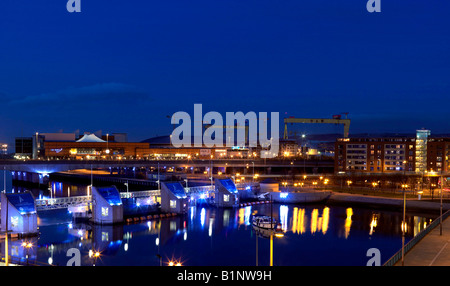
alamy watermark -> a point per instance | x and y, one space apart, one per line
73 6
213 136
375 257
75 257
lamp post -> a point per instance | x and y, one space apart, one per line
442 189
107 149
404 186
271 231
253 163
211 170
6 236
4 179
159 181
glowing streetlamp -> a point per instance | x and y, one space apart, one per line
404 186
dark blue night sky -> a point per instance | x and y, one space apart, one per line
123 66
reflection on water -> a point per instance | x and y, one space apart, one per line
314 235
348 221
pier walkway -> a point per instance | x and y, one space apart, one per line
431 250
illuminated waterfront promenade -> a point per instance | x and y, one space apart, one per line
50 166
432 250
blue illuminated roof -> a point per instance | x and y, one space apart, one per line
177 189
111 195
229 185
24 202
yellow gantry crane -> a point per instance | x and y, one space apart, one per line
335 120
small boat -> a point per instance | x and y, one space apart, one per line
265 222
266 226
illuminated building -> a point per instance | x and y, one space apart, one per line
173 198
19 213
376 155
418 154
107 205
421 150
3 149
226 194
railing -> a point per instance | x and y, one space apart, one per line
140 194
57 203
397 256
200 189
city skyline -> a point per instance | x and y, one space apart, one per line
125 68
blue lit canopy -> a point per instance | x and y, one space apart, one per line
177 189
23 202
229 185
111 195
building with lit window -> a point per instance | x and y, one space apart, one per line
421 150
107 207
173 198
418 154
3 148
225 193
115 147
375 155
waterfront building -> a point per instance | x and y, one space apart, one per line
18 213
375 155
23 147
107 207
418 154
173 198
116 147
225 193
3 148
421 150
438 155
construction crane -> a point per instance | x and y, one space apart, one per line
336 119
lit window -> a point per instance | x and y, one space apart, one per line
104 211
173 204
226 198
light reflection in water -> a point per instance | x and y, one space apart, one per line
284 217
202 217
244 215
348 222
299 220
325 219
373 223
169 234
211 222
314 216
320 224
226 218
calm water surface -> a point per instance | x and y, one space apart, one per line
314 235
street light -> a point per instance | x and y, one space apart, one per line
253 163
404 186
107 149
